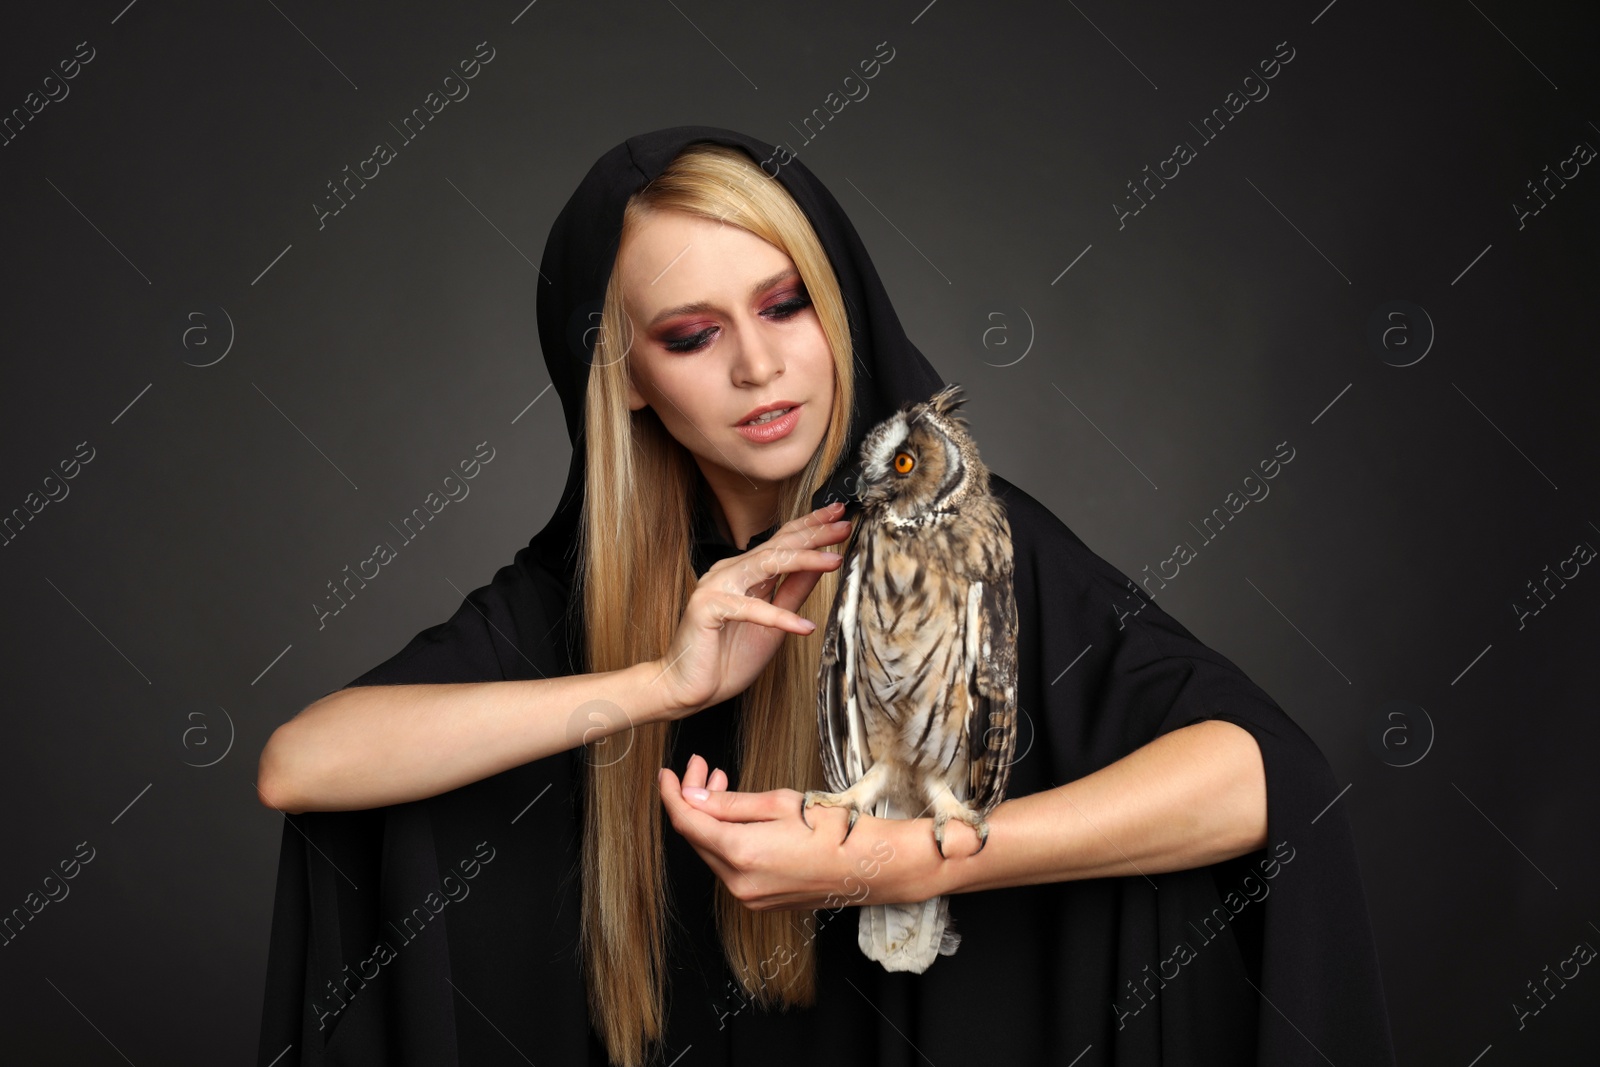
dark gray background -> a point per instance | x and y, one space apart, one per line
164 607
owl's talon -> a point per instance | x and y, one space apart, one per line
980 827
831 800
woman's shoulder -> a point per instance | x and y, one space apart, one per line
1041 538
509 627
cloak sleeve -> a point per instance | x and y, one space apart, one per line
356 970
1119 671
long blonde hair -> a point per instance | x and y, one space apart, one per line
639 492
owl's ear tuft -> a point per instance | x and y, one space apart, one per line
948 400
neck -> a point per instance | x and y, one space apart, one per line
741 510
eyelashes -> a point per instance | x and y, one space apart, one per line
694 342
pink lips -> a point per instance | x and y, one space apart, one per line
761 433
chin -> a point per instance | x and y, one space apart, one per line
774 470
775 463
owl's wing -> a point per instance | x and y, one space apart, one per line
991 725
840 724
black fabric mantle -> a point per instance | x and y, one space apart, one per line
1267 959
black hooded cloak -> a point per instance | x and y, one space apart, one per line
445 931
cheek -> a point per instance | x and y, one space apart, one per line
815 360
683 402
654 381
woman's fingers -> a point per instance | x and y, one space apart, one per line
810 531
694 775
795 589
730 607
766 586
826 526
729 806
766 566
702 830
819 527
792 551
718 781
803 568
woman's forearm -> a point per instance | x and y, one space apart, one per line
1189 798
371 746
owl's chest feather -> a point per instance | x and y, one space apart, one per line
911 645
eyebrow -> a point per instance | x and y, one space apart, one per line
705 305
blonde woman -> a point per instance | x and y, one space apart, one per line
519 839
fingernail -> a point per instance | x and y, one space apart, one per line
695 793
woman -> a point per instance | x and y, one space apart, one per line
478 869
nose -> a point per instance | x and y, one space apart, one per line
757 361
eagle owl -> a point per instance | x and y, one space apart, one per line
917 689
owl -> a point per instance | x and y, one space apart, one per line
917 687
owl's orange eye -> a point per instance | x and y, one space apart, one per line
903 462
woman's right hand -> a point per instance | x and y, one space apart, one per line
729 629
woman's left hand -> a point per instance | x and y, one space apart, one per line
758 845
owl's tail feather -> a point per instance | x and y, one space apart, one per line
906 937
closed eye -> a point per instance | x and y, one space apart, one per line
788 309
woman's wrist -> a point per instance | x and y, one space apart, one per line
647 697
898 862
919 872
